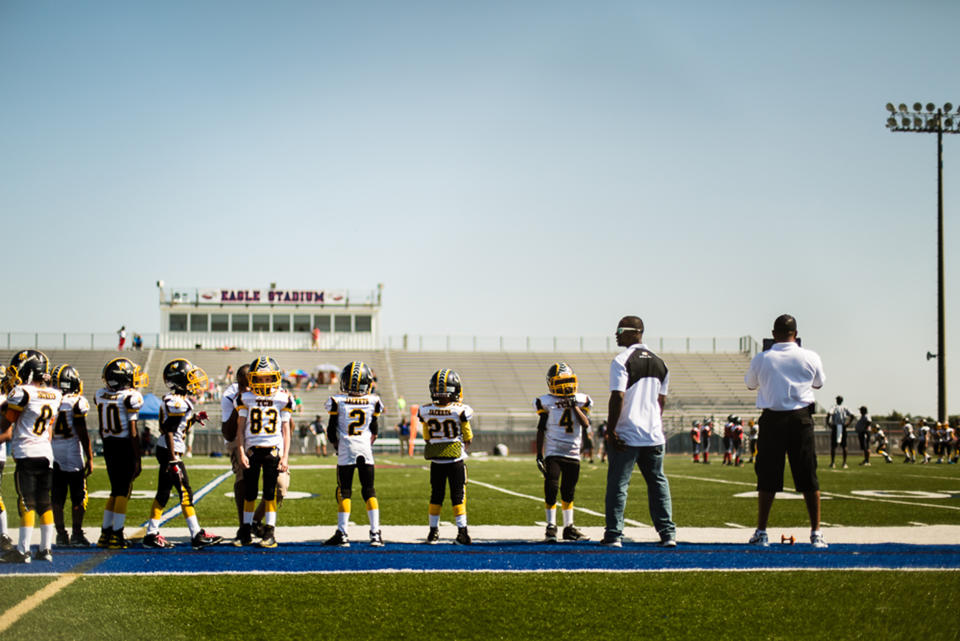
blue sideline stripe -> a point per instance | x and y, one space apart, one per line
514 557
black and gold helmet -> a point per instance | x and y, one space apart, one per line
445 387
27 367
356 378
561 381
67 379
182 377
122 373
264 377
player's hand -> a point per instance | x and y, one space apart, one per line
541 466
88 469
201 417
284 465
244 461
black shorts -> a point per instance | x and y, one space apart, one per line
843 438
267 461
120 459
73 482
33 478
366 474
787 434
562 474
172 475
443 473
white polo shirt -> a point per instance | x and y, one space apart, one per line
642 376
785 376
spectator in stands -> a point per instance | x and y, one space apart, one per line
785 376
403 434
602 441
304 434
320 433
315 344
638 392
228 375
146 441
122 337
138 342
863 433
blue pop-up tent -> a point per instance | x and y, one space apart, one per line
151 406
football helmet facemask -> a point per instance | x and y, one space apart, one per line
67 379
356 378
445 387
264 377
122 373
561 381
182 377
27 367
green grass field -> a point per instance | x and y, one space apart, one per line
668 605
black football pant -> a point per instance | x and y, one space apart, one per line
562 475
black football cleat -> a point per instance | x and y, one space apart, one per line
6 543
571 533
43 555
156 541
15 556
463 537
63 540
204 540
105 535
267 538
79 540
550 536
244 536
339 539
433 535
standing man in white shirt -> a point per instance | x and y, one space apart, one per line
785 376
638 391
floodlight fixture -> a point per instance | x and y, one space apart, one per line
932 120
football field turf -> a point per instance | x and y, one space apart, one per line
508 585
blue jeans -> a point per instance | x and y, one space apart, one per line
620 468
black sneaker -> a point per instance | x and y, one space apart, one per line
6 543
79 540
433 535
105 535
63 540
156 541
43 555
117 542
15 556
376 539
463 537
258 529
267 538
339 539
571 533
550 536
244 536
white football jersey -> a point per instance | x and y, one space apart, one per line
354 416
34 426
446 424
116 410
265 416
67 450
180 407
564 434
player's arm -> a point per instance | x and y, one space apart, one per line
240 438
285 427
374 428
167 430
333 423
7 419
465 430
135 442
80 427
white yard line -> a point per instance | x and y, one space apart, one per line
539 499
835 495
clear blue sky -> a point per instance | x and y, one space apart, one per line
503 168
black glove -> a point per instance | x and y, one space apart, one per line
541 466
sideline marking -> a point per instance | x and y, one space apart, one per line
13 615
822 493
539 499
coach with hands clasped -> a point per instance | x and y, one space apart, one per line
785 376
638 389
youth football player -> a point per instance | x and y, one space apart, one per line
118 410
263 445
28 424
72 457
352 428
6 543
562 427
446 430
176 417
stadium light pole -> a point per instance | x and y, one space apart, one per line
932 120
